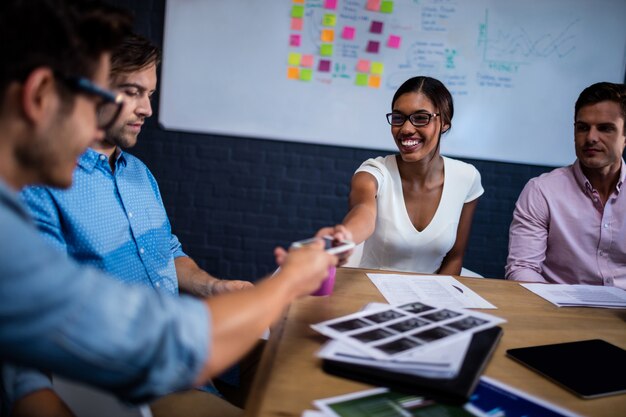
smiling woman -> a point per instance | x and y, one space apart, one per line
413 210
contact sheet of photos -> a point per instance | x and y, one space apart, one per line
393 331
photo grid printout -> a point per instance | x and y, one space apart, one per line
396 331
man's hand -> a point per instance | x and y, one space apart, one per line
221 286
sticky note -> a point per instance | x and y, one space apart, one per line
296 23
374 81
294 59
328 35
361 80
377 68
306 61
306 74
299 1
386 6
373 46
373 5
324 65
330 4
294 40
297 11
329 19
363 65
293 73
348 33
326 49
376 27
393 41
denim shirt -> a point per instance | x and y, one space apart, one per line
75 321
113 220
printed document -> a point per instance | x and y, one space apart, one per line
437 290
564 295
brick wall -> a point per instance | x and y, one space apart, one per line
232 200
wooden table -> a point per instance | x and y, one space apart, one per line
290 376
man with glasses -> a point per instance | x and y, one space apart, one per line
569 225
113 217
73 320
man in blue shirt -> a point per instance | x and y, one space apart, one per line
113 217
73 320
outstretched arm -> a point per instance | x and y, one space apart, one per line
195 281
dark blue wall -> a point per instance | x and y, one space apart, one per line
232 200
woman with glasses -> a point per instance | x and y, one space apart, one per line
413 210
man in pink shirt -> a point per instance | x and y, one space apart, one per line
569 225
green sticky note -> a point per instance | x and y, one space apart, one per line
326 49
294 59
297 11
377 68
361 79
306 74
329 20
386 7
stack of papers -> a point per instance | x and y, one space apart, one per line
564 295
415 338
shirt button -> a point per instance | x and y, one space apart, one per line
103 157
606 225
141 250
158 284
130 214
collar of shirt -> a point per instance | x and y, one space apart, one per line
586 186
91 159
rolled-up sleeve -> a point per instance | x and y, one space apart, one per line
79 323
528 236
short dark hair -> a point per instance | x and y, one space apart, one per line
603 91
134 53
434 90
67 36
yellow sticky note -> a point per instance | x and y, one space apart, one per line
328 35
293 73
377 68
294 59
329 19
326 49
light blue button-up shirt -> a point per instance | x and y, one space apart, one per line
75 321
113 220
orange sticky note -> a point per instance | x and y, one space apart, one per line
374 81
293 73
328 35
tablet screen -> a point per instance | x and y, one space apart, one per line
589 368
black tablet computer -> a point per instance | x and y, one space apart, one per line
589 368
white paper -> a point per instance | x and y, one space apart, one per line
441 290
392 332
564 295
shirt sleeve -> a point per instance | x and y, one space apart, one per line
476 189
76 322
19 381
376 168
45 214
528 236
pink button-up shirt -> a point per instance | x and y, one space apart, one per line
561 233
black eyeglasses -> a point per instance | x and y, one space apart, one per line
418 119
110 106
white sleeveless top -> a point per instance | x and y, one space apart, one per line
395 243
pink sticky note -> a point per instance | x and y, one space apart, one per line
373 46
393 41
306 61
363 65
376 27
296 23
373 5
324 65
294 40
330 4
348 33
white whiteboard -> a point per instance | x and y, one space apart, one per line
514 67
